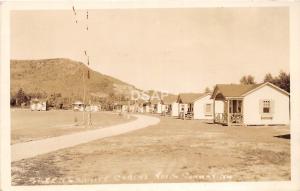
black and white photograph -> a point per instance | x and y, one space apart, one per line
142 95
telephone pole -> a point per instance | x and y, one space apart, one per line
86 121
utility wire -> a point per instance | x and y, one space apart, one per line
89 122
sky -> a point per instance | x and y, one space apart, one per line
173 50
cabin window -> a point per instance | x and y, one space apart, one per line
266 106
208 108
267 109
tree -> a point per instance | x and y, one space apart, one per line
12 101
283 81
207 90
59 102
55 100
269 78
247 80
21 97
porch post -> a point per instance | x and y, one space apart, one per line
242 110
214 115
228 105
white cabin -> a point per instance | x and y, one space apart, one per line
78 106
38 105
203 107
170 105
122 106
156 106
93 108
258 104
196 105
146 107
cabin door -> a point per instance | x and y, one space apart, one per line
235 111
235 106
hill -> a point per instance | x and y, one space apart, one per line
63 76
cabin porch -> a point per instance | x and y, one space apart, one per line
232 113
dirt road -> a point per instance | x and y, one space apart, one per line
34 148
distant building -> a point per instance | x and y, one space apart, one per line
93 108
139 106
78 106
156 106
170 105
121 106
258 104
38 105
196 105
147 107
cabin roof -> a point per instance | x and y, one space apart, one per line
270 85
241 90
189 97
234 90
170 99
140 101
38 99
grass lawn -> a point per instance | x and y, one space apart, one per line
29 125
172 151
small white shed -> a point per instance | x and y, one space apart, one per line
78 106
38 105
121 106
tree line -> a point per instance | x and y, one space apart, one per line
282 80
58 101
21 98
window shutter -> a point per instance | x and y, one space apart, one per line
205 107
211 109
261 104
272 106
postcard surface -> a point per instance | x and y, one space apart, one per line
163 95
